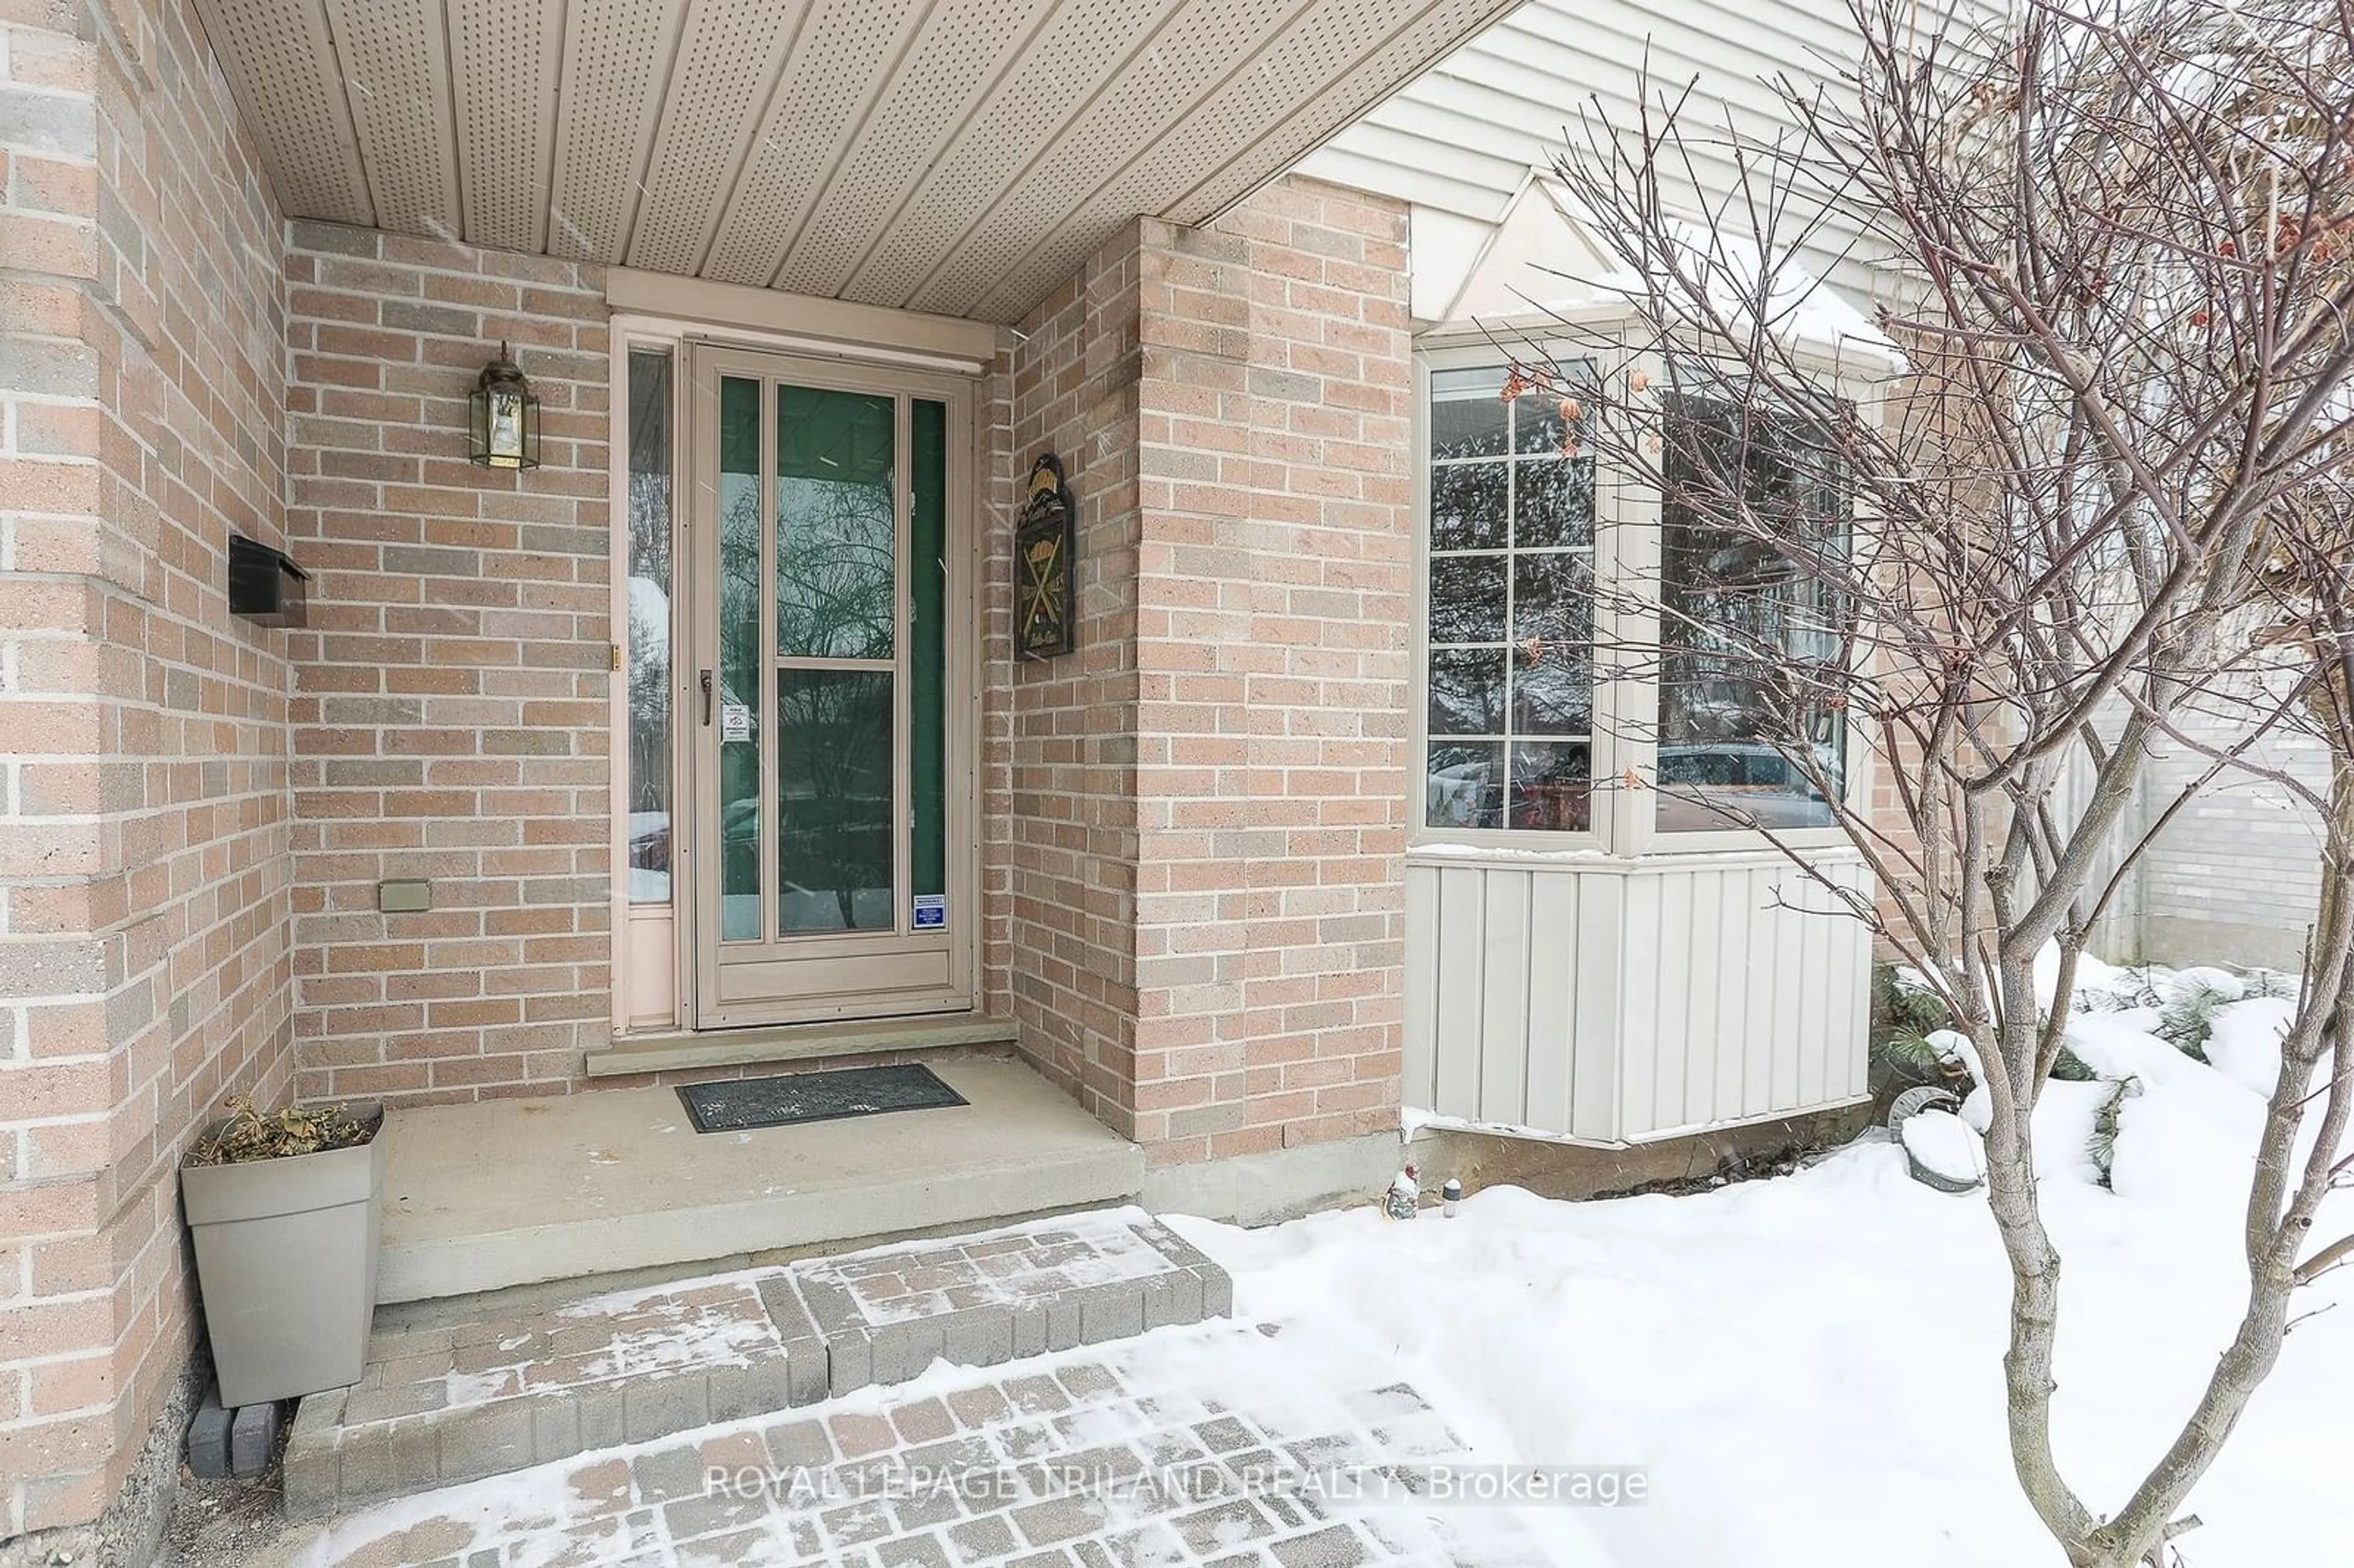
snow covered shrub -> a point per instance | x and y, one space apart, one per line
2103 1146
2256 983
2188 1020
1905 1014
2126 989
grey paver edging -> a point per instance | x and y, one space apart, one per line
1167 1451
438 1407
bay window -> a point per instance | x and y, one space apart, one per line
1751 640
1511 607
1668 681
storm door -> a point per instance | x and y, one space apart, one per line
829 749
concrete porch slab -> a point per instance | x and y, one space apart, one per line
506 1192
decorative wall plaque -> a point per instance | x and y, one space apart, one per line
1044 623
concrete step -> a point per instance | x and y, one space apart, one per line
497 1193
452 1397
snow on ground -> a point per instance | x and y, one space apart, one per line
1942 1144
1809 1366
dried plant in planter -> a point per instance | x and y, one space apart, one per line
250 1134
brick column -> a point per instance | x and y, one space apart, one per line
1275 591
1208 800
143 849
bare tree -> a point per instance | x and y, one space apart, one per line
2122 437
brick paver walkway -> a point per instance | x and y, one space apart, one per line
1215 1446
1002 1268
461 1401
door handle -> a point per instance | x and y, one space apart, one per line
707 699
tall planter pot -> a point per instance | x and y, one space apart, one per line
286 1253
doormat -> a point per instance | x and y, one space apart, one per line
740 1105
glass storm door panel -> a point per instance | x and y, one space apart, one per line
822 749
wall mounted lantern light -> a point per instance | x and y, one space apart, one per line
505 416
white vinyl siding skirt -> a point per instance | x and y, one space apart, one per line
1622 1001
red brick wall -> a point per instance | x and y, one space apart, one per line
143 852
449 716
1205 806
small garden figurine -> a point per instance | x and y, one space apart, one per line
1404 1200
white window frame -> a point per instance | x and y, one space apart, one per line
1627 549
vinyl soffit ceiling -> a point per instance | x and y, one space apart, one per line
961 157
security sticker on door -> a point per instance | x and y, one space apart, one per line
931 911
735 721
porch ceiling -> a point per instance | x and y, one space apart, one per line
955 156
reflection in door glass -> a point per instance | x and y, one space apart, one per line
927 654
734 704
833 800
835 525
648 779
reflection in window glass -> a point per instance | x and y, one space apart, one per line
1552 504
1750 639
1465 789
1553 699
1466 690
1511 605
1551 779
834 800
737 698
835 525
1468 509
927 570
1467 417
648 604
1467 598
